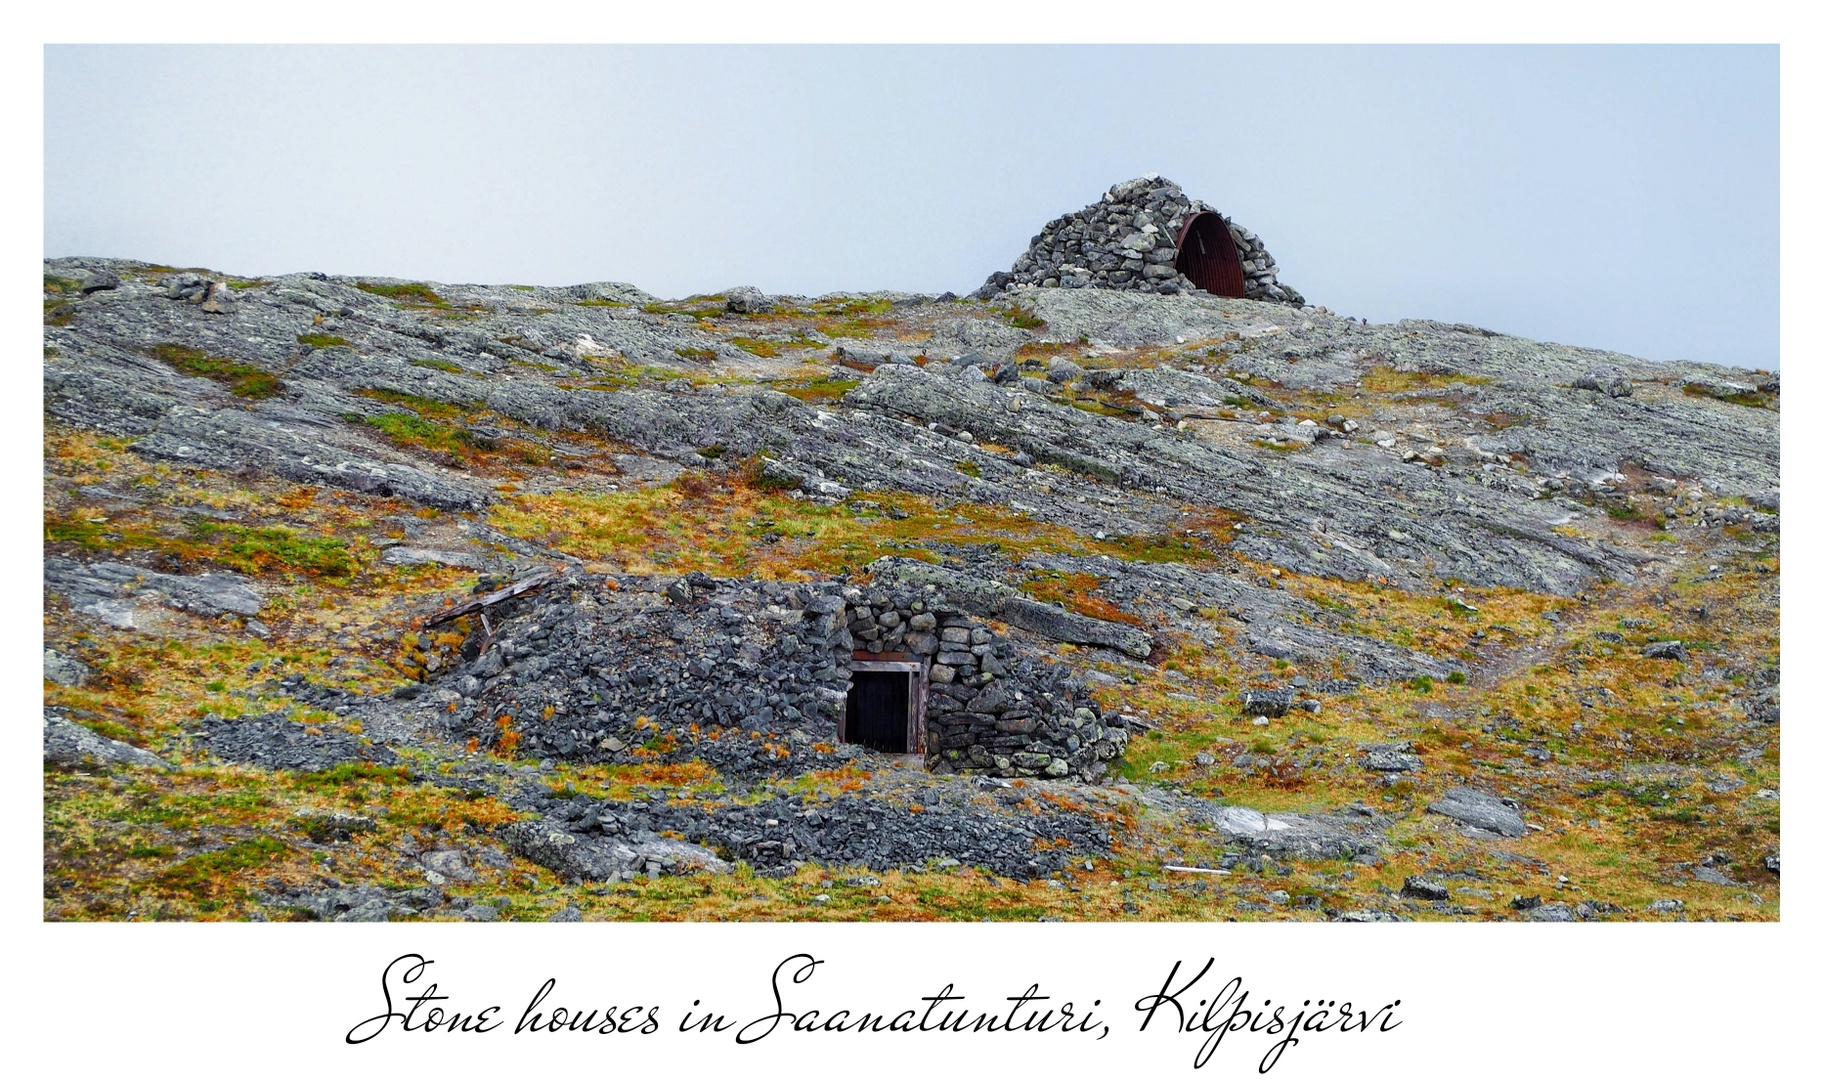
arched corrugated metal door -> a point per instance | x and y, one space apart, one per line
1206 255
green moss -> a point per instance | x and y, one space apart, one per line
704 355
1421 685
323 341
441 365
1752 399
828 389
1457 678
969 468
409 293
757 346
697 307
200 875
422 405
258 550
1024 318
242 380
411 429
68 286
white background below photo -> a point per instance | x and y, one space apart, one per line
1513 1001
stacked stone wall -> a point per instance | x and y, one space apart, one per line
751 676
991 707
1126 241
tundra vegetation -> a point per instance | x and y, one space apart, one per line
1446 563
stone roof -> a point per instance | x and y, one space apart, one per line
1124 241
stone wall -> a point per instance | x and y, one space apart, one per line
1125 242
749 676
991 706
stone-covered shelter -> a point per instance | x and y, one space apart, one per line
757 677
1146 235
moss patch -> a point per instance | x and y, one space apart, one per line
241 379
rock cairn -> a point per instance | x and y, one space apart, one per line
1125 241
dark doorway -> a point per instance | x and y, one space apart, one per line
1207 255
878 713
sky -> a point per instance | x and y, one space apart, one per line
1623 198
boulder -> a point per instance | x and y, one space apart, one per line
1481 810
747 300
1606 380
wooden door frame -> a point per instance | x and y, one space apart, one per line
915 699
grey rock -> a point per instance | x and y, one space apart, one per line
100 281
1306 836
1068 626
747 300
1481 810
70 744
1423 888
218 298
1666 907
1275 702
446 864
65 670
378 909
1606 380
401 555
586 858
1552 913
1712 876
1382 759
1666 650
113 591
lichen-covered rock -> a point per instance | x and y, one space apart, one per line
1480 810
70 744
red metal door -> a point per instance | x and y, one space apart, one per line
1207 255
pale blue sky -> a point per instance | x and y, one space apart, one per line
1616 197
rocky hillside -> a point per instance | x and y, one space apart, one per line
369 598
